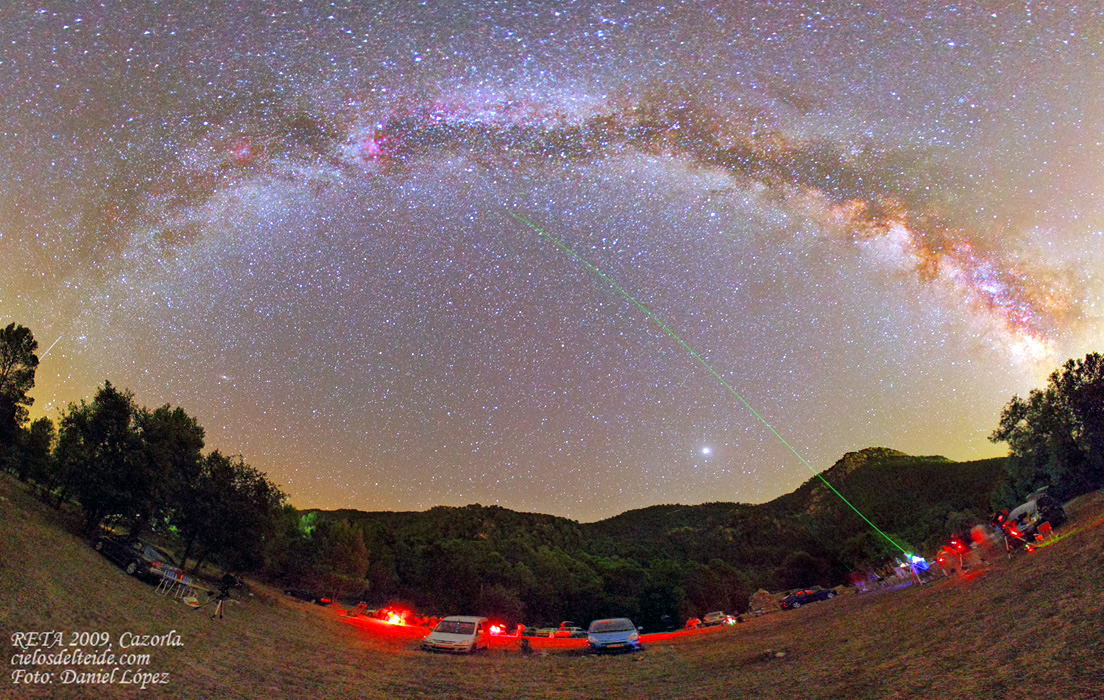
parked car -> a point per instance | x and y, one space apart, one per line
137 558
716 618
460 634
809 595
308 596
569 630
613 634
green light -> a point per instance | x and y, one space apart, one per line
1054 538
697 358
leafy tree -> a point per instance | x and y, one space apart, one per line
623 584
800 569
1083 382
97 452
119 459
168 463
866 548
242 511
664 600
284 553
501 601
382 575
18 362
342 558
36 452
1056 435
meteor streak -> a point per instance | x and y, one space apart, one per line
697 358
50 348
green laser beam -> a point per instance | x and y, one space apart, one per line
1055 538
698 358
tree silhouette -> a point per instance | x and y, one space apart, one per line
169 462
235 509
18 362
98 455
1056 434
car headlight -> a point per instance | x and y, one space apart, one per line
635 636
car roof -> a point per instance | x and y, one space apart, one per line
463 618
613 619
1029 507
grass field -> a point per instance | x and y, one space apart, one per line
1027 627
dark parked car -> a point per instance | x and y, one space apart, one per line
308 596
137 558
809 595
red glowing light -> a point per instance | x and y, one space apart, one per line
496 629
394 619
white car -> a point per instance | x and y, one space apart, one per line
462 634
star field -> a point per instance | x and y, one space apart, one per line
295 220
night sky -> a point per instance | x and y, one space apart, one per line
297 221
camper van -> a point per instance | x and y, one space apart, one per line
460 633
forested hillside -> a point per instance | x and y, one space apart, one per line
664 563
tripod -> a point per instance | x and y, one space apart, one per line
220 604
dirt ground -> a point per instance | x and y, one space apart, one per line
1030 626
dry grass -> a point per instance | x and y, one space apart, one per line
1026 627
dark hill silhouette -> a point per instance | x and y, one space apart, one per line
671 560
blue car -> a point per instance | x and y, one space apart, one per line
613 634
